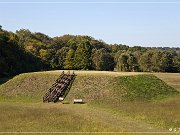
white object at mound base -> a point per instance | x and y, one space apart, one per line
61 98
78 101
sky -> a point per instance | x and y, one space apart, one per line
148 23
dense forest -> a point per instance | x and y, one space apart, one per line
25 51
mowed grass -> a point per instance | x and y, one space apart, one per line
49 118
114 102
142 97
97 73
66 118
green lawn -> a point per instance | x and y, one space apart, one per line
115 103
40 117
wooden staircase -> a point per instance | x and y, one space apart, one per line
59 88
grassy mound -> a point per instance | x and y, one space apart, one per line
105 88
27 87
142 87
117 89
115 102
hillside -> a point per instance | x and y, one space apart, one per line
90 85
115 101
26 86
120 88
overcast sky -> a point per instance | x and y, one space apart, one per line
144 23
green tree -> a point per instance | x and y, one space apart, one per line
24 35
102 60
122 62
69 60
13 59
127 62
82 57
59 58
133 63
146 62
156 61
167 63
176 61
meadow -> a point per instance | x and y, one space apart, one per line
115 102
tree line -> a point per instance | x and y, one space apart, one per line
25 51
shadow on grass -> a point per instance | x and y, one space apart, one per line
80 102
5 79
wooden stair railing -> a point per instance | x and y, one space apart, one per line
59 87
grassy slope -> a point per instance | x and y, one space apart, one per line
101 91
27 87
117 89
172 79
110 92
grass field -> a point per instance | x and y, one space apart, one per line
172 79
118 102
